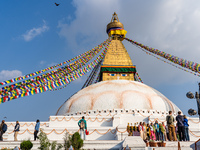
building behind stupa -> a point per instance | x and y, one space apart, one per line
109 105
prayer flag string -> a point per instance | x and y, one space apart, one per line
50 68
50 85
54 79
137 77
192 66
53 74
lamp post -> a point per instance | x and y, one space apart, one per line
197 97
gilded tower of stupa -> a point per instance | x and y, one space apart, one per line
117 64
117 88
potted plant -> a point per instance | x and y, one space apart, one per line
26 145
152 143
147 143
161 144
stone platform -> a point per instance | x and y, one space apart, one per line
102 125
107 129
112 144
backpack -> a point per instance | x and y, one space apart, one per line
82 124
169 120
4 128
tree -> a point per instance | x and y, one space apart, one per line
74 140
45 143
26 145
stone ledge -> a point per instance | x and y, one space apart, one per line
107 144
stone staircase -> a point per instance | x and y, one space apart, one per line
133 144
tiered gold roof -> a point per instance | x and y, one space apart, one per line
117 63
117 55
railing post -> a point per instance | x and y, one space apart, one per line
196 144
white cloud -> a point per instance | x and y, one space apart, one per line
42 62
7 74
32 33
170 26
52 64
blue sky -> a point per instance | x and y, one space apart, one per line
37 34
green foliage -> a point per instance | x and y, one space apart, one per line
67 141
59 146
53 145
56 146
74 140
45 143
77 142
26 145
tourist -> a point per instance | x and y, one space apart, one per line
176 130
148 131
157 132
3 129
83 126
152 130
137 124
144 131
140 128
171 127
16 148
16 130
161 132
128 129
186 125
135 130
135 127
37 128
180 124
131 129
165 132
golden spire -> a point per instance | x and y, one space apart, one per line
115 28
117 64
115 22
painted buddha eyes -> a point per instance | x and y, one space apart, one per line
113 74
124 75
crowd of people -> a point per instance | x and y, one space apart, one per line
153 131
3 129
161 131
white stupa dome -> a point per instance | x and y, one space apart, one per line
117 94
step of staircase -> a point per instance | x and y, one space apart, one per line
108 144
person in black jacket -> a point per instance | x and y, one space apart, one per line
181 129
3 129
16 130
